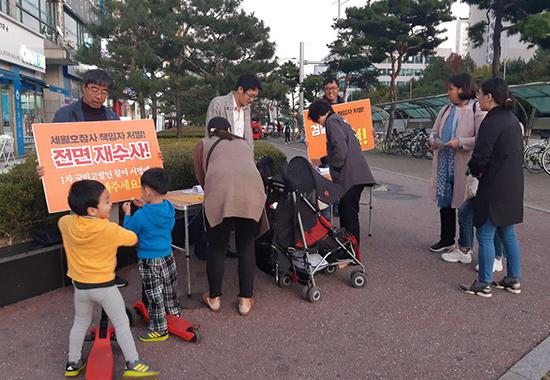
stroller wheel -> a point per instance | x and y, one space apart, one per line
313 294
305 290
330 270
284 281
358 279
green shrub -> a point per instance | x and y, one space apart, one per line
264 149
195 131
178 161
22 202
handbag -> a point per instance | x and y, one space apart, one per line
472 183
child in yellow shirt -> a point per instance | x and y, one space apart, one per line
91 242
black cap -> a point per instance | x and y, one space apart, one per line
218 122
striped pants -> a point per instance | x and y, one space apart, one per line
159 281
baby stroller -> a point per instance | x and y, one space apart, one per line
301 242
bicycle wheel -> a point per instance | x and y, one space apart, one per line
417 149
532 159
546 160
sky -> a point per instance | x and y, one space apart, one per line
310 21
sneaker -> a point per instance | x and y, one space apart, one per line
457 256
153 336
497 266
508 283
120 282
478 288
138 369
73 369
441 246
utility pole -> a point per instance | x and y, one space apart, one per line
302 63
301 80
340 3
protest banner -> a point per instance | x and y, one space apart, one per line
115 153
357 114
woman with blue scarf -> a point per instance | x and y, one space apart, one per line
452 140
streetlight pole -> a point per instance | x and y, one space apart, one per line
301 80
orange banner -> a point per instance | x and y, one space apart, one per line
357 114
115 153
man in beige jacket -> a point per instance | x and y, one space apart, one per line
235 107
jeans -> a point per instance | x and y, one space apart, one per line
466 223
486 237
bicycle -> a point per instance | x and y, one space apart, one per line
533 156
546 160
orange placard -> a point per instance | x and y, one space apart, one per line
357 114
115 153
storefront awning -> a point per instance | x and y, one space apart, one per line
34 81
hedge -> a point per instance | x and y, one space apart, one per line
179 163
23 205
172 133
22 202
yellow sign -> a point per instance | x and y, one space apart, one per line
358 114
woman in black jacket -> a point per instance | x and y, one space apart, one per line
348 165
498 205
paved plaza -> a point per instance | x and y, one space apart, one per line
410 321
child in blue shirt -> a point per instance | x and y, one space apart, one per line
153 224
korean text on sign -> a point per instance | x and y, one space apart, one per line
115 153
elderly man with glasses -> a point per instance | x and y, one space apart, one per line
235 106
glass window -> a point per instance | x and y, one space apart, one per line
5 109
74 30
33 112
30 21
4 6
418 72
71 29
31 7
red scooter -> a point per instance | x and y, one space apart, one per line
100 364
176 325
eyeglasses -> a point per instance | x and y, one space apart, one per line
251 96
333 88
98 91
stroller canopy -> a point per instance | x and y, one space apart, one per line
304 178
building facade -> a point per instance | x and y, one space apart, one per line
461 41
412 68
512 47
38 69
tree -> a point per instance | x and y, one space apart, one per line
393 30
526 17
438 71
289 74
126 42
215 41
349 58
312 86
173 50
